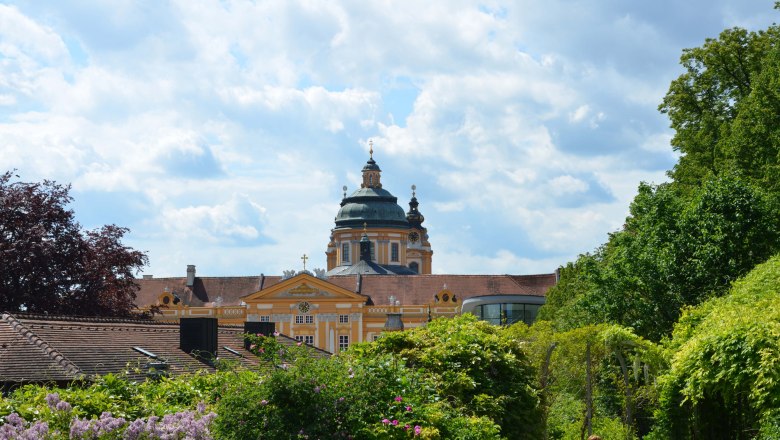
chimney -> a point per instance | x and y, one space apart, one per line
148 277
198 336
190 275
264 328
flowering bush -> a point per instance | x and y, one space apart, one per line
478 368
377 398
182 425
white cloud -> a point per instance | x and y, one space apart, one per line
238 122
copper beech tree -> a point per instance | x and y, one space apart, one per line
48 264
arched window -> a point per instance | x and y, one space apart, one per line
371 180
414 266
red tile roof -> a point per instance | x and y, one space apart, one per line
409 289
228 290
420 289
40 348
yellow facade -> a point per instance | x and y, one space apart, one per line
344 248
315 311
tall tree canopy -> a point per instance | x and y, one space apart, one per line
48 264
725 108
687 240
673 251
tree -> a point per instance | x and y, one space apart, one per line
475 366
675 249
725 109
49 265
724 379
597 378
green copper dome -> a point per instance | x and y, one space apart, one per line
375 207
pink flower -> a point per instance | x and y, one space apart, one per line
417 429
409 408
299 344
261 350
386 421
276 333
394 422
398 398
264 402
406 427
253 346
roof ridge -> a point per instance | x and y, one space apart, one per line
95 319
47 349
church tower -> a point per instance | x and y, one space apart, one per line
394 242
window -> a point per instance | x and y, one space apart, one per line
343 319
304 319
306 339
373 253
345 252
394 252
414 266
343 342
265 318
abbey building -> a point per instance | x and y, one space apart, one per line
379 278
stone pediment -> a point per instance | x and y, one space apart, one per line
304 286
303 290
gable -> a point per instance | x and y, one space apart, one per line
304 286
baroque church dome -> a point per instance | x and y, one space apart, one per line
371 205
374 207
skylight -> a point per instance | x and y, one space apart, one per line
145 352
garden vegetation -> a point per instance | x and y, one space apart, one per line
669 330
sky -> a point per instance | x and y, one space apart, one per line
221 132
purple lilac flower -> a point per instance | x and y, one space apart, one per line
52 400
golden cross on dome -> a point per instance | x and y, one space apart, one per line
365 225
371 148
304 258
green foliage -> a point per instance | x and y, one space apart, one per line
724 380
560 358
724 108
675 250
374 397
119 396
479 367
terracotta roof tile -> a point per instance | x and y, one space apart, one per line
39 349
205 289
409 289
420 289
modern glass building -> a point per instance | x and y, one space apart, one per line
504 309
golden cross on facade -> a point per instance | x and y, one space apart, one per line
304 258
371 148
